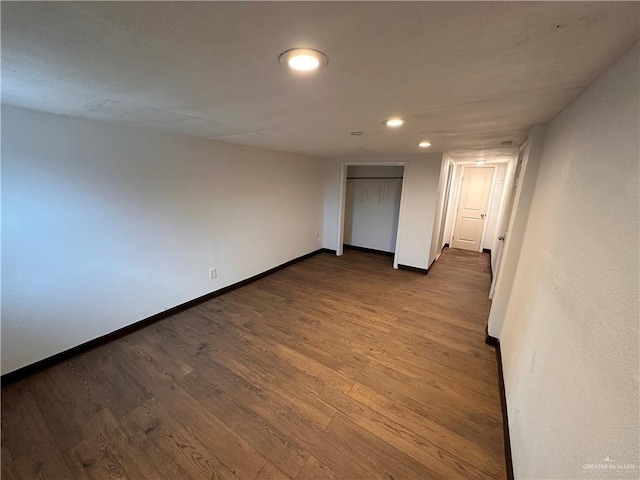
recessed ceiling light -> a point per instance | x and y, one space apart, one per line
356 133
303 59
394 122
479 162
424 144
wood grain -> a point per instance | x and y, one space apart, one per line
335 368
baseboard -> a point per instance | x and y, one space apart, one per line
368 250
327 250
40 365
489 340
413 269
486 250
494 342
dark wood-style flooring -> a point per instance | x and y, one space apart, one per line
333 368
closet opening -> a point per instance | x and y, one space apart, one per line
371 208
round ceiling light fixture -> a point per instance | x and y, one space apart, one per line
395 122
303 59
424 144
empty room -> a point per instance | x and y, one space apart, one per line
320 240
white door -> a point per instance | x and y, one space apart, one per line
506 219
472 207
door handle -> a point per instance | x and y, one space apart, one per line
482 215
501 237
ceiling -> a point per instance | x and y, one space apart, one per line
465 75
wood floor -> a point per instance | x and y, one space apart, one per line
333 368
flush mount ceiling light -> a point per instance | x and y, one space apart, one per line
395 122
424 144
303 59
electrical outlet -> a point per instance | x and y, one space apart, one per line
213 273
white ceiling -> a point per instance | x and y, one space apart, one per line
465 75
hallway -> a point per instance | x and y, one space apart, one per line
335 367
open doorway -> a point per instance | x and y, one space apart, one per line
371 208
445 207
473 194
471 215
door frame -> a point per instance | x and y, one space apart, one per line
506 222
445 203
343 197
489 201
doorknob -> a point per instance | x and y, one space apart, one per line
482 215
501 237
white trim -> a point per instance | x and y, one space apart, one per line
533 149
341 207
454 212
343 196
501 223
444 194
449 182
512 217
400 218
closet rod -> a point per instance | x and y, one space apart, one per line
374 178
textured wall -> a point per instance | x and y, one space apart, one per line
570 339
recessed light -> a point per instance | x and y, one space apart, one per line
479 162
394 122
303 59
357 133
424 144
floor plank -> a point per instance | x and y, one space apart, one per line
334 368
32 445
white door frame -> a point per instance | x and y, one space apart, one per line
343 196
489 201
506 223
445 201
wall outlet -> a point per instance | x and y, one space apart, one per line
213 273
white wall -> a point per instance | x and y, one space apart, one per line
105 225
570 340
372 207
419 196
